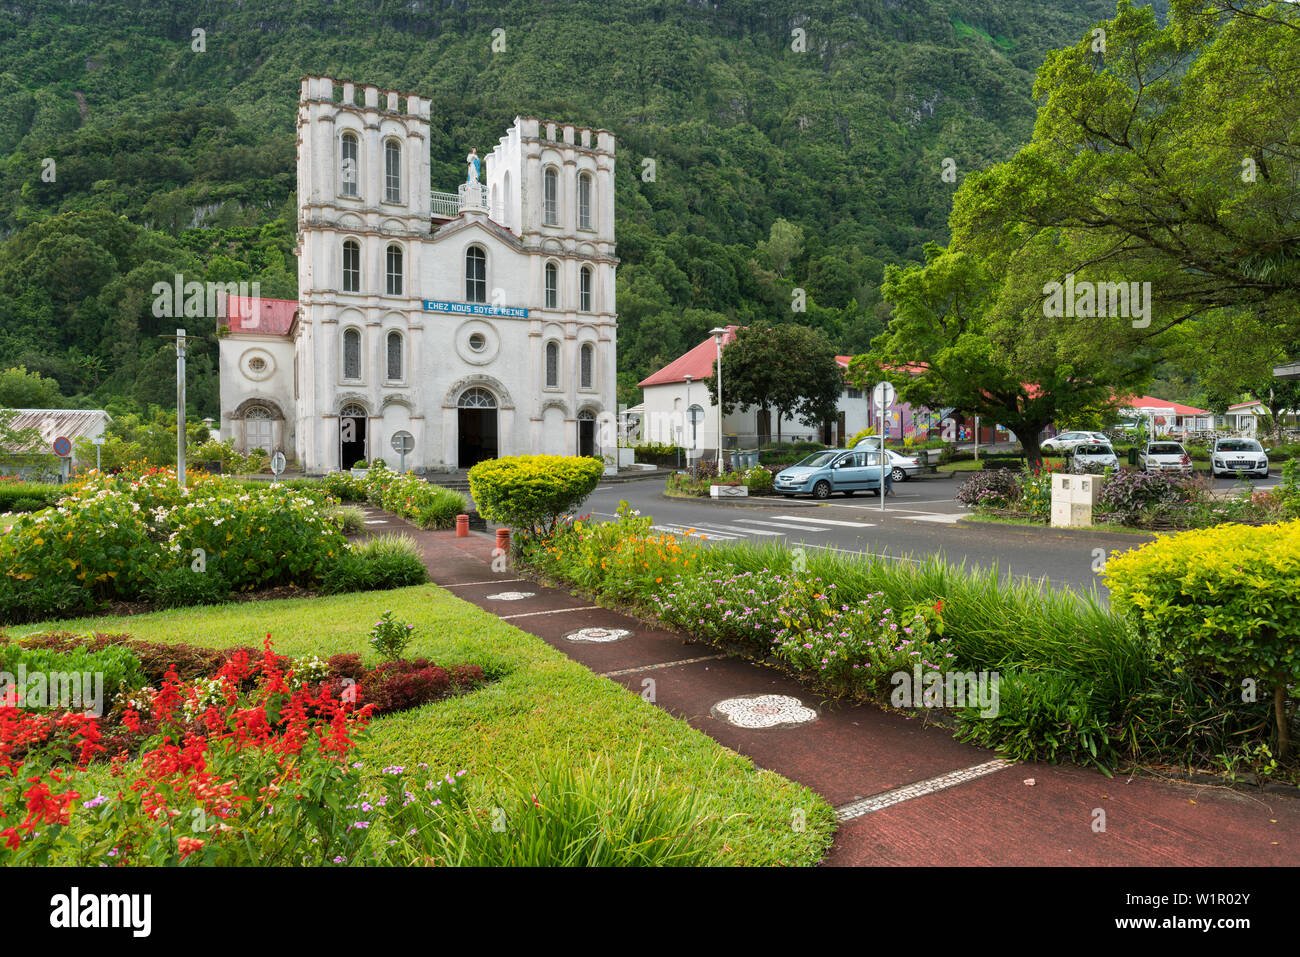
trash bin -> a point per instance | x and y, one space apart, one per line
1133 456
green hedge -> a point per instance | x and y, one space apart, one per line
529 493
28 496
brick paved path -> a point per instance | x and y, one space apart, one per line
905 793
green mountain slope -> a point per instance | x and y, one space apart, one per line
847 141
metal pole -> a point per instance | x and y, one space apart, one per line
97 451
977 438
718 342
180 407
882 451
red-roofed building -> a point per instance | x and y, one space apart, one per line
1167 416
672 392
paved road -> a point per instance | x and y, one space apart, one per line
921 519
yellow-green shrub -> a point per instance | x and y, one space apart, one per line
529 493
1226 599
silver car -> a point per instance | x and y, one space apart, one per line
901 467
1231 456
1165 457
1093 457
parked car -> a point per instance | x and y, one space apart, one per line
1165 457
835 470
1238 455
902 466
1064 443
1093 457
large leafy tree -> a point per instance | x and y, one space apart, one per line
783 368
947 346
1168 154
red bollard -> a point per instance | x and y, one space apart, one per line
503 539
462 526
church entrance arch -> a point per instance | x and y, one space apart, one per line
352 435
586 432
476 427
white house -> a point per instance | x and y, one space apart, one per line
676 408
470 324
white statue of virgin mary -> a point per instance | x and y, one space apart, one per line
474 164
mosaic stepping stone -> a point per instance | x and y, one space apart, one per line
598 634
757 711
510 595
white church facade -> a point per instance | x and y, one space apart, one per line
465 326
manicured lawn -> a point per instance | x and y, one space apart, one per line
543 709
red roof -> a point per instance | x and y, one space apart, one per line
1151 402
698 363
267 317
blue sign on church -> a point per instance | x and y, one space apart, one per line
475 309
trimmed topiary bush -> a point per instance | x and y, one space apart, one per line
1223 599
530 493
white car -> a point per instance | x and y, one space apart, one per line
1065 443
1165 457
1093 457
1231 456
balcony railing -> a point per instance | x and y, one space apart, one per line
445 205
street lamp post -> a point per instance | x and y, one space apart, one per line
689 419
718 333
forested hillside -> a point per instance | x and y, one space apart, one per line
845 141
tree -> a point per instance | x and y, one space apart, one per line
1167 155
782 368
20 389
946 346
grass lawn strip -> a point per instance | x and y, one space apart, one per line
543 709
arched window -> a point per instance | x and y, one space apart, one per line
392 171
477 398
475 275
584 289
552 286
551 197
349 170
552 365
394 270
586 361
351 266
351 354
584 201
394 357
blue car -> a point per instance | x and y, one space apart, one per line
835 470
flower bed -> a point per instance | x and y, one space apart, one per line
1076 683
425 504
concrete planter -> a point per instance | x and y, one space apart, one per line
728 491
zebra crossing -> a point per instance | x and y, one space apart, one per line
778 526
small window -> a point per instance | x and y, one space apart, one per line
394 270
478 342
586 357
552 365
257 364
551 196
552 286
392 171
351 266
584 201
584 289
394 357
475 275
348 169
351 354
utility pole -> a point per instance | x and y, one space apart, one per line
180 407
718 333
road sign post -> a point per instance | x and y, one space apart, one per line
277 466
883 394
403 442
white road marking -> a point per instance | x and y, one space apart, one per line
687 530
886 799
732 529
498 581
827 521
941 519
797 528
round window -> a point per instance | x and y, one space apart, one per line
257 364
478 342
